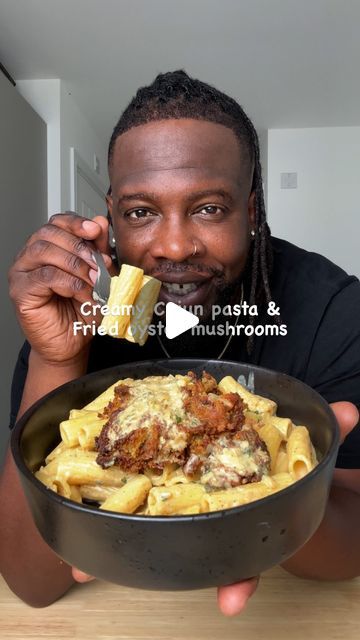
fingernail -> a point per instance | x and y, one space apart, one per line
89 256
107 258
93 275
89 226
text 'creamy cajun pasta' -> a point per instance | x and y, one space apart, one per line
176 445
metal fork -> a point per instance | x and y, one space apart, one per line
101 290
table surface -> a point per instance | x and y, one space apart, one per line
284 607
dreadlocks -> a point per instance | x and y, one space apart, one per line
176 95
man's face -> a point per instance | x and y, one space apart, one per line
180 186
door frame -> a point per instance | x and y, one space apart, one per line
78 167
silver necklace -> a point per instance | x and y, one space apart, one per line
227 342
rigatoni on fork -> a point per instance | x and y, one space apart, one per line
131 304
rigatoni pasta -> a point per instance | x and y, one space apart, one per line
300 452
131 304
175 499
81 430
123 291
130 497
272 438
176 445
255 403
137 329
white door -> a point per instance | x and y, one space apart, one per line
90 202
87 189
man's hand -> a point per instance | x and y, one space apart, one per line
233 598
347 416
80 576
50 279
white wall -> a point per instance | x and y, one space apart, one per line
323 213
44 97
76 131
67 127
23 186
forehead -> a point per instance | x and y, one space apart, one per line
191 149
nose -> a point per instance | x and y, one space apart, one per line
175 241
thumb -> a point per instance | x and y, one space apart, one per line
80 576
347 416
102 241
232 599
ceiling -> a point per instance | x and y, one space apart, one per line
290 63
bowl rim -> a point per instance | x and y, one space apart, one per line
20 425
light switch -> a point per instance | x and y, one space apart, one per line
288 180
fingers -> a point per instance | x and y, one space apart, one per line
80 576
75 234
347 416
53 234
96 230
42 252
233 598
77 225
58 258
49 279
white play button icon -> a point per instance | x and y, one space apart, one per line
178 320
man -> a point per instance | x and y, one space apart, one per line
186 205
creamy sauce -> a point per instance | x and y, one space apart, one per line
226 464
241 462
155 399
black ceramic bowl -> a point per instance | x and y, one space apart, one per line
178 552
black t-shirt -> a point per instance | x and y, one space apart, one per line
319 303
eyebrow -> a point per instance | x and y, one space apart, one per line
188 198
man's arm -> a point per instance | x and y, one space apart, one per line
50 279
29 566
333 552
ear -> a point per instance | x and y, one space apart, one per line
251 210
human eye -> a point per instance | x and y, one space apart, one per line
138 215
212 211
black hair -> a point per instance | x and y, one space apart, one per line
176 95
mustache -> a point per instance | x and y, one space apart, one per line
182 267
